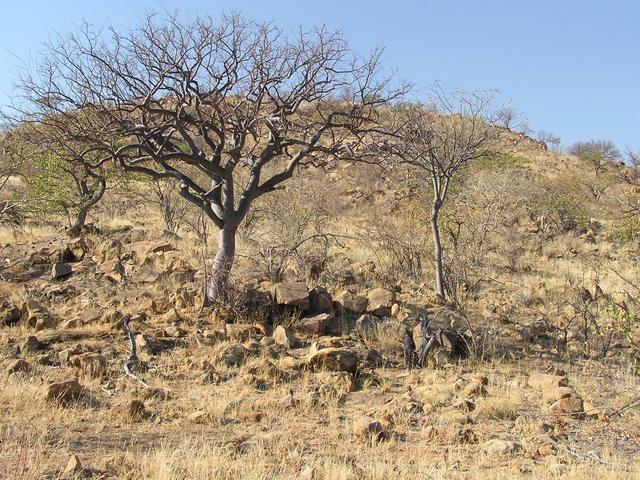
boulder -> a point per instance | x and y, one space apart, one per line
9 313
18 366
36 315
233 355
496 446
65 391
113 270
316 325
380 301
320 300
283 336
367 427
60 270
366 325
333 358
351 301
292 294
572 406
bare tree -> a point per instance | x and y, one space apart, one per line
553 141
229 108
442 137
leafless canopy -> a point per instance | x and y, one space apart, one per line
194 100
450 131
444 135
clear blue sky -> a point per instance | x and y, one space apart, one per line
572 67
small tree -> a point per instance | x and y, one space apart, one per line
597 152
551 140
442 137
230 109
67 176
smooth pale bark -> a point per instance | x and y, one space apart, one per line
217 288
440 291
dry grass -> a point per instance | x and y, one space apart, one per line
254 421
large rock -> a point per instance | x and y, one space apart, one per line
367 427
320 300
496 446
292 294
335 359
283 336
317 325
9 313
65 391
233 355
113 270
351 301
36 315
18 366
571 406
366 325
60 270
380 301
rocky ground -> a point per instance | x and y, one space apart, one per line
305 384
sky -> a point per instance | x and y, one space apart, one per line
571 67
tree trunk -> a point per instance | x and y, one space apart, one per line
81 218
440 293
217 289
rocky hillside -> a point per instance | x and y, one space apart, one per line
332 359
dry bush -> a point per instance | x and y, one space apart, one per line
289 232
399 245
559 205
164 195
473 228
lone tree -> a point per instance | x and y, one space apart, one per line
440 138
596 152
230 108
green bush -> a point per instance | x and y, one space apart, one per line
628 230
